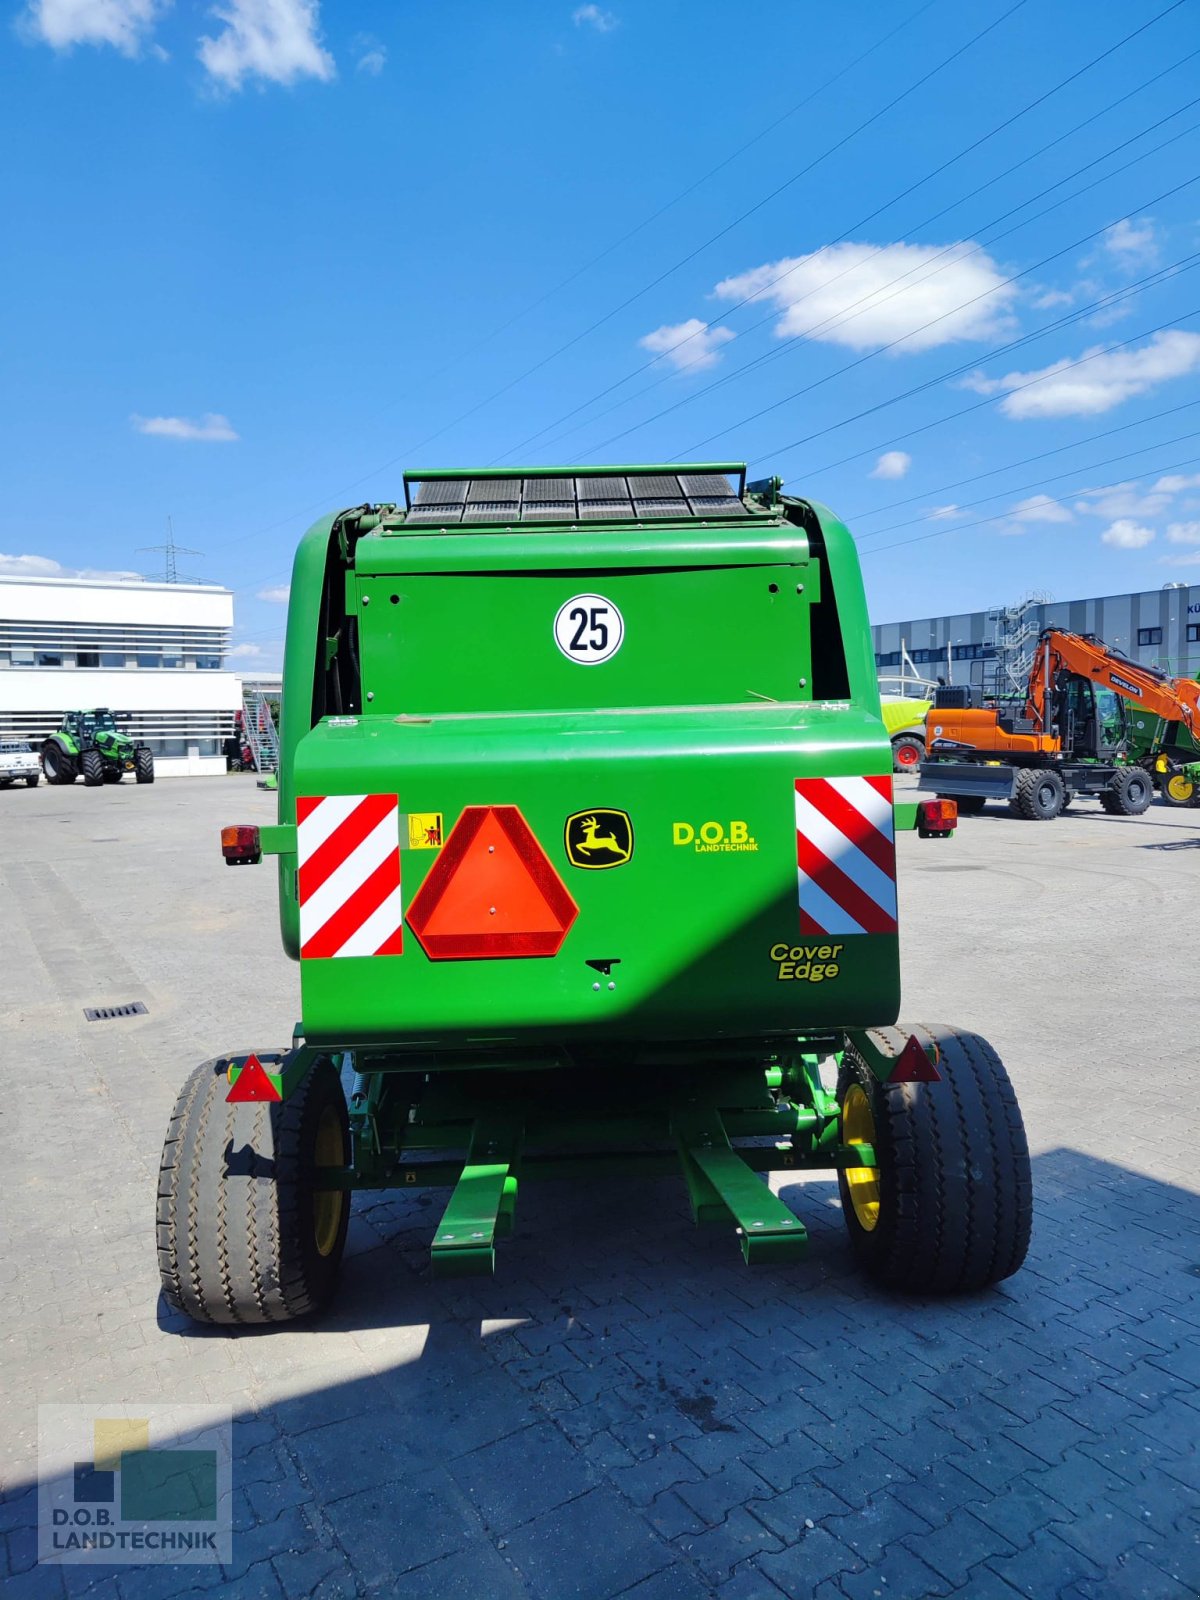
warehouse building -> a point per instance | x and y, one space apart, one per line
1157 627
153 653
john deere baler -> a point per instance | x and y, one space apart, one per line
586 852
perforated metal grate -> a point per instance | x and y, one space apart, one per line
623 495
134 1008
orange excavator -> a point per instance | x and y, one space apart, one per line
1093 723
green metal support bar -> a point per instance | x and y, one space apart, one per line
721 1185
482 1205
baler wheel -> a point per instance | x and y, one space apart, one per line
243 1236
948 1206
1179 790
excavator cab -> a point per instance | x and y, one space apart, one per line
1091 721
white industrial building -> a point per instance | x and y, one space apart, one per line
153 653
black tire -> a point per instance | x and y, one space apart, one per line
969 805
954 1187
59 765
1129 794
91 764
1040 794
1068 796
1177 789
908 752
143 764
237 1217
32 781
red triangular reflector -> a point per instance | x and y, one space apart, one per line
253 1083
492 892
913 1065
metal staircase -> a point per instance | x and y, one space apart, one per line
260 731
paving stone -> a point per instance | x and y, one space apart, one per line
799 1568
590 1549
713 1498
958 1545
395 1527
677 1582
1047 1567
476 1572
899 1576
519 1477
717 1551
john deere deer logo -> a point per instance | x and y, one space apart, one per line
599 838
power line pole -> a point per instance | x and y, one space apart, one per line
169 551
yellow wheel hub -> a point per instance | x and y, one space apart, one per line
1180 788
858 1128
328 1204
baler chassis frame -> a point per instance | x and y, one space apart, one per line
480 1132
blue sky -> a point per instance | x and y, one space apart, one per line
263 255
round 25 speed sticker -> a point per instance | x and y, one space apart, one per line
588 629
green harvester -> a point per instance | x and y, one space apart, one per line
586 852
89 744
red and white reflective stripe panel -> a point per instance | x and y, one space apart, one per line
348 850
846 853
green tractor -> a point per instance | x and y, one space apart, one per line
91 744
586 845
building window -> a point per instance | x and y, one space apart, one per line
1193 633
149 658
48 658
208 663
1149 636
87 658
890 658
172 658
973 652
112 658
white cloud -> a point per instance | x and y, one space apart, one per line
1127 535
1183 532
44 567
594 17
1131 244
687 345
212 428
273 40
278 595
945 513
848 295
1040 508
1048 299
123 24
243 652
1180 561
892 464
1102 381
372 55
1128 500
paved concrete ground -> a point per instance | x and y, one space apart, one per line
627 1410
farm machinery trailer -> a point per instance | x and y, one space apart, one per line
586 851
1093 723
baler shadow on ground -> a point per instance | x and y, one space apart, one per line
626 1410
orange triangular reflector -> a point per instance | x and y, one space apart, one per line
913 1065
492 892
253 1083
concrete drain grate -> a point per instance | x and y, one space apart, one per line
135 1008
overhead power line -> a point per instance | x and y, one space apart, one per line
862 222
1087 488
856 517
951 256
